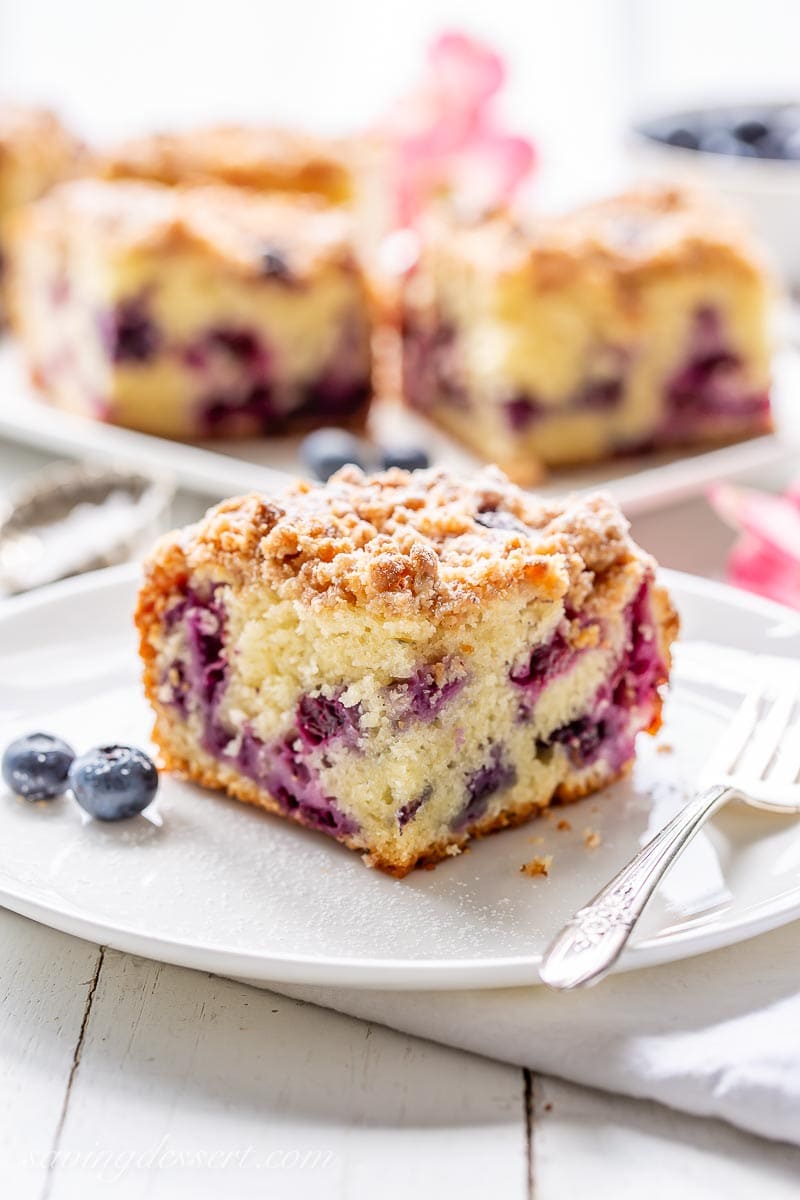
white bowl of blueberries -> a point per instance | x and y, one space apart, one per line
751 153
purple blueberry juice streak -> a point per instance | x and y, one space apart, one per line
204 632
320 719
280 768
425 694
258 401
240 344
343 389
711 383
544 663
203 675
129 333
239 409
608 730
223 346
431 369
286 776
522 411
409 811
254 409
598 393
494 776
334 397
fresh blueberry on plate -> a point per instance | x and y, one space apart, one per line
326 450
410 458
113 782
682 137
751 130
722 141
274 264
37 765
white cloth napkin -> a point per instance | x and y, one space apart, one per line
717 1035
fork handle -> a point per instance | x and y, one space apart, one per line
592 940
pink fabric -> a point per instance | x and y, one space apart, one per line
766 557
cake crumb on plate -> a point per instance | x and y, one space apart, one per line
540 865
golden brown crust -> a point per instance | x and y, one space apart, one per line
237 227
204 770
257 157
641 234
400 543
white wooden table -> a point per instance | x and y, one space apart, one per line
124 1077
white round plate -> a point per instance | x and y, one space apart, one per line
209 883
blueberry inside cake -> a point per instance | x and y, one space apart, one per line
637 323
193 312
406 660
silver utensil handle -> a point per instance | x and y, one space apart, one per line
592 941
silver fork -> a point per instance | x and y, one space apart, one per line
757 761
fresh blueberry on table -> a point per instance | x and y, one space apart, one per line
764 133
410 458
326 450
113 782
37 765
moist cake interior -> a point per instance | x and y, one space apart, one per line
398 731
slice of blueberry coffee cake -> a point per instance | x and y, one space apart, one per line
192 312
632 324
36 151
406 660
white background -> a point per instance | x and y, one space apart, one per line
577 68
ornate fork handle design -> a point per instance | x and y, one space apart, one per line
594 938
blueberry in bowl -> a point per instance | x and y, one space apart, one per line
36 766
748 152
113 783
764 131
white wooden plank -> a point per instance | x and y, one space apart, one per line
45 981
177 1063
592 1143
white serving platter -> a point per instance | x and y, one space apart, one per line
205 882
223 468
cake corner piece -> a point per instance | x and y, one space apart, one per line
193 312
639 322
404 661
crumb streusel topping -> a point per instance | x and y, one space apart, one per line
646 231
424 543
242 155
239 227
